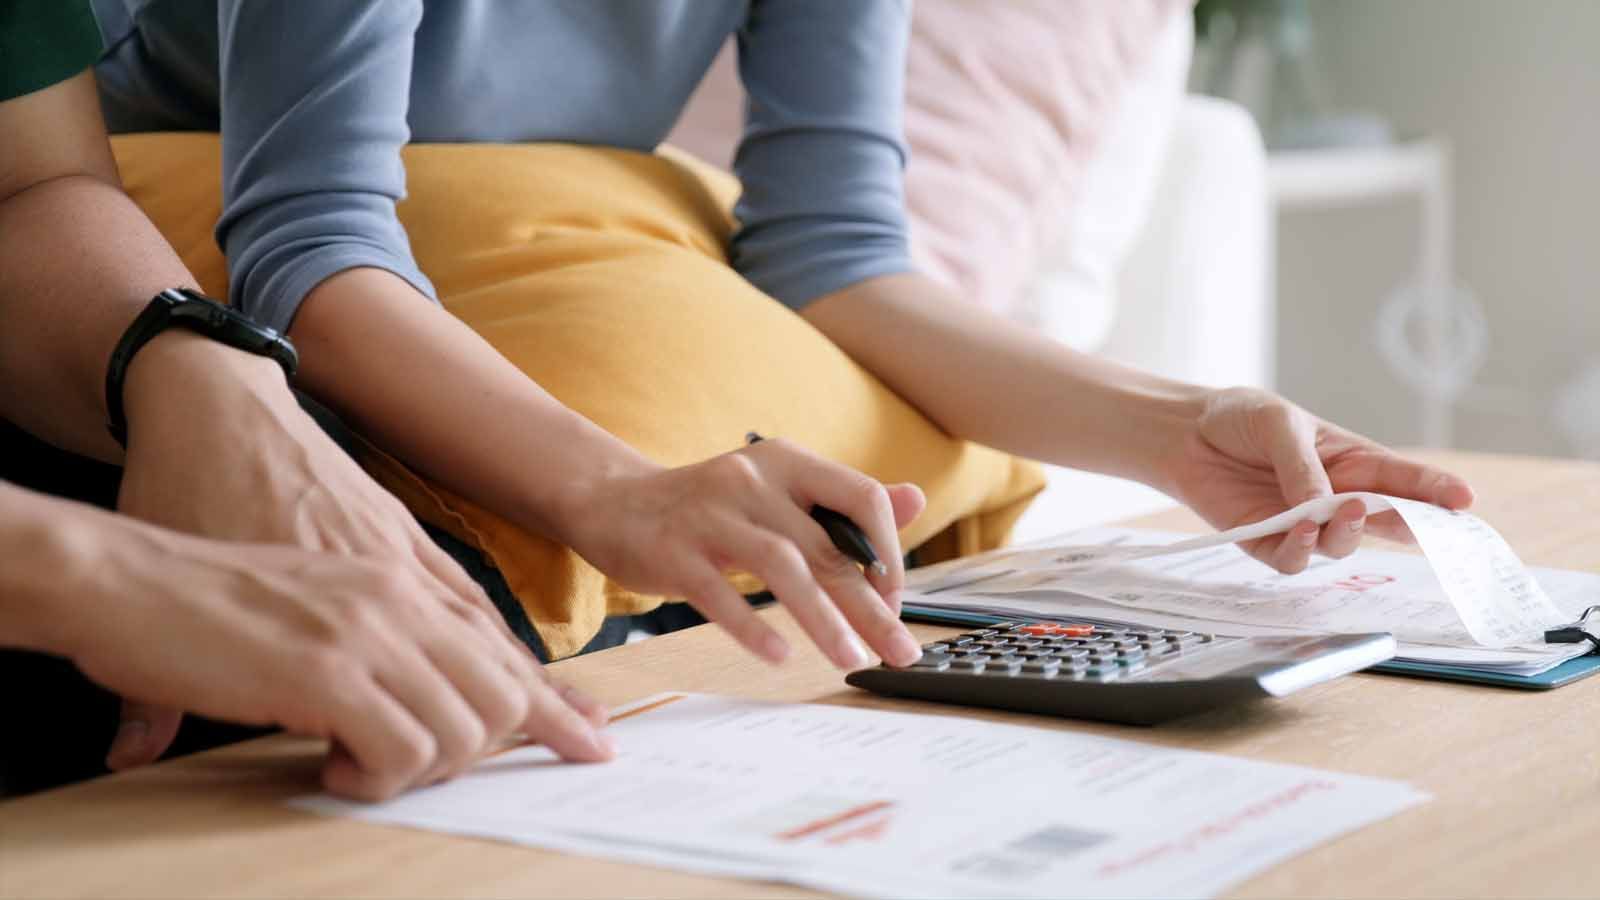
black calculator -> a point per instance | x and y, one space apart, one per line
1117 673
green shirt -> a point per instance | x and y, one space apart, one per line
43 42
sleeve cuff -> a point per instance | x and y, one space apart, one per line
796 286
272 299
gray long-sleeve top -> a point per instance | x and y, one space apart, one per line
314 99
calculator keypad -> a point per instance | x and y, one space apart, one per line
1049 650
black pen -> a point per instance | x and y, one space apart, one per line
845 534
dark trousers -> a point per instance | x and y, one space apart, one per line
58 724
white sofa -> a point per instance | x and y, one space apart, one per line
1168 268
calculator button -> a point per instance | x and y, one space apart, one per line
1073 653
1023 644
967 664
956 641
933 661
935 648
1005 660
981 633
1100 673
1001 670
1037 666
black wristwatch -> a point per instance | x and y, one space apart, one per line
194 311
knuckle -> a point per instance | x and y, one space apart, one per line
414 755
739 472
829 563
869 491
509 711
327 667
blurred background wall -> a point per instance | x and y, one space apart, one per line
1515 89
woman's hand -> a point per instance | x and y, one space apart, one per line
411 683
675 532
218 447
1251 454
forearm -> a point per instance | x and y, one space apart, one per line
90 263
984 379
428 389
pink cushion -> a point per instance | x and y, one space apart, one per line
1005 105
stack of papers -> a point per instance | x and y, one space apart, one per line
898 805
1466 601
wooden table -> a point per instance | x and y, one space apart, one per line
1515 775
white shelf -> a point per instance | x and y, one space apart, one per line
1354 175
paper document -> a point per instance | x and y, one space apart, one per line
898 805
1467 600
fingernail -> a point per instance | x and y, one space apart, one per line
1355 524
605 743
905 648
852 655
1309 537
131 735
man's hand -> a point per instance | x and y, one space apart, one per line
217 446
676 531
411 683
1251 454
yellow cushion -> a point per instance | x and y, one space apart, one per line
601 274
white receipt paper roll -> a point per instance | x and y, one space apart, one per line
1499 603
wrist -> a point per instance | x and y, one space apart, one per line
572 503
186 378
1161 419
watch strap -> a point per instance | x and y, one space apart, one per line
191 311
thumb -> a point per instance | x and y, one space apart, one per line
1291 445
144 734
908 502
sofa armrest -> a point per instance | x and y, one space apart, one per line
1194 298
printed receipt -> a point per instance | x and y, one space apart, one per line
1495 597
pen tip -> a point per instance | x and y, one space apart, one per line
878 568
